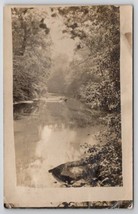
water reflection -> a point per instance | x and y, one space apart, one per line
48 134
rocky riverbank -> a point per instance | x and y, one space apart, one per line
101 166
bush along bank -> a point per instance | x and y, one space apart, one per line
102 166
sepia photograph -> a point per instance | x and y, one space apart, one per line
66 96
67 99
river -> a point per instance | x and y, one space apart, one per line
50 132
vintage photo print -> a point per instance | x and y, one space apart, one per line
68 106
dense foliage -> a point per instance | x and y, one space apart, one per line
98 30
102 166
94 78
31 53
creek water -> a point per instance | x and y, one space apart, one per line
48 133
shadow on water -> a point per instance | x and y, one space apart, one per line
48 133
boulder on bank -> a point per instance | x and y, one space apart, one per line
102 166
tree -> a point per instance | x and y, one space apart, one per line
97 27
31 53
98 73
